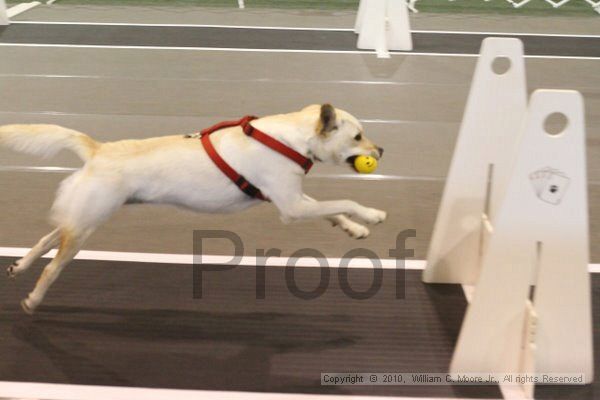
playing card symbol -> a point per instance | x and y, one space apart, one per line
549 184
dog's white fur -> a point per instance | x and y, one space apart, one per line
176 170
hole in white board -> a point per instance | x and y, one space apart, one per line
501 65
555 123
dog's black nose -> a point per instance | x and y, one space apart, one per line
380 149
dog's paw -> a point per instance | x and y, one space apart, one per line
285 219
374 216
354 230
11 271
28 306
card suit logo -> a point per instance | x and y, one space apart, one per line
549 184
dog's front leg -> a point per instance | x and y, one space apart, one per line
293 204
353 229
300 207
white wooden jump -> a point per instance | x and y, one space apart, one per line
513 222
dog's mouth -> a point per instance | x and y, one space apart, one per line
350 160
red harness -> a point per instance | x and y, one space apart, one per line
262 137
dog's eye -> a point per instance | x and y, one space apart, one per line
358 137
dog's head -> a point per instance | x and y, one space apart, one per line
339 137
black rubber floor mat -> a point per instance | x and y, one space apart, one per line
134 324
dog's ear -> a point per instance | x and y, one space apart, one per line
327 121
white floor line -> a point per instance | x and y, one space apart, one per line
79 114
21 8
19 168
231 49
188 259
485 33
402 121
352 177
299 28
357 177
52 391
240 80
218 49
183 25
377 177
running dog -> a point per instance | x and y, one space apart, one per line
179 170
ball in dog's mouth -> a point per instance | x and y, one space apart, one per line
350 160
363 164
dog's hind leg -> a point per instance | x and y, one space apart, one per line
70 244
83 203
45 244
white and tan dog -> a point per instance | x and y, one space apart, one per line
176 170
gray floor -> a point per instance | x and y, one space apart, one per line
413 111
144 315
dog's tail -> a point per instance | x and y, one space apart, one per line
47 140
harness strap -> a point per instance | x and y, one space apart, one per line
265 139
228 124
304 162
236 178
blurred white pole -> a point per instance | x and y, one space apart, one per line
3 16
20 8
411 6
383 25
241 4
595 5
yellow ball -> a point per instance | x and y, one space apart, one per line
365 164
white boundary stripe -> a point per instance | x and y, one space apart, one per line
63 113
396 53
377 177
299 28
241 80
508 33
360 177
21 8
284 28
188 259
53 391
86 46
24 168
